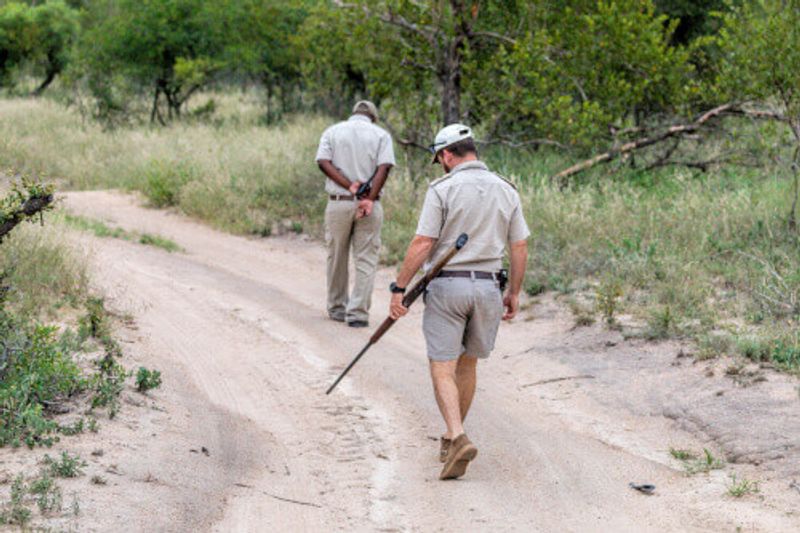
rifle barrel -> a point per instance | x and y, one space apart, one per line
346 370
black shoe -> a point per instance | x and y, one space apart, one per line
336 318
358 323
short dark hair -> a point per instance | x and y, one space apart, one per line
462 148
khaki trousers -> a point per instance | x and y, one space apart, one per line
343 234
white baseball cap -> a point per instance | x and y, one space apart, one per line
448 136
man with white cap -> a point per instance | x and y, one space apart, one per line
351 154
464 304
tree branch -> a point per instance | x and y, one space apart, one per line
521 144
32 205
493 35
672 131
392 18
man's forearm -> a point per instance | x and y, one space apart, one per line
327 168
519 260
417 253
378 180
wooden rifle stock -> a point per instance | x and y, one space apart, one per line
411 295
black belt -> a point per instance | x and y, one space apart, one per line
477 274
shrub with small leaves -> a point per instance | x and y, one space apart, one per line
147 379
608 294
67 466
16 512
48 494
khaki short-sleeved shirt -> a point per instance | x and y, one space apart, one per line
356 147
472 200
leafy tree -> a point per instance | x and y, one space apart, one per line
40 36
412 46
760 43
170 47
173 48
56 28
696 17
263 48
529 73
598 69
15 38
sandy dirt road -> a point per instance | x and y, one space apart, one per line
239 325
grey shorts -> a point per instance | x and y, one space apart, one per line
461 317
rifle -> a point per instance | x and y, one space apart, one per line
411 295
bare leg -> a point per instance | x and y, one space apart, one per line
443 374
465 381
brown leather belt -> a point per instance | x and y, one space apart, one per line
477 274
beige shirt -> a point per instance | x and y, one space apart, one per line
472 200
356 147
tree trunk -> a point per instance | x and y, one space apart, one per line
51 75
792 220
155 113
451 97
450 79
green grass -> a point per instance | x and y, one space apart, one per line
159 242
682 455
41 272
96 227
741 487
101 229
702 256
694 464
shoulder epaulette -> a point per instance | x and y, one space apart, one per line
437 181
506 180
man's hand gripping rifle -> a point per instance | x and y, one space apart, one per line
412 294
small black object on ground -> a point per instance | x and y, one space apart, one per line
644 488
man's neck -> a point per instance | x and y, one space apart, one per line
360 114
466 159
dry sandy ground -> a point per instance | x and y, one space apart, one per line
237 326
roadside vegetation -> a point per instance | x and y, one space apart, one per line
60 368
100 229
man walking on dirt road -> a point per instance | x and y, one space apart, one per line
464 304
350 154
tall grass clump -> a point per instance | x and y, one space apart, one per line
41 272
692 252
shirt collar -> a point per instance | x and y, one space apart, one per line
469 165
358 116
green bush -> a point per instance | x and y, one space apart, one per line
147 379
34 373
15 511
47 493
164 181
67 466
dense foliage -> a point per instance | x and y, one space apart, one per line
582 75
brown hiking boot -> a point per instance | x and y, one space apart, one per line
444 448
462 451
